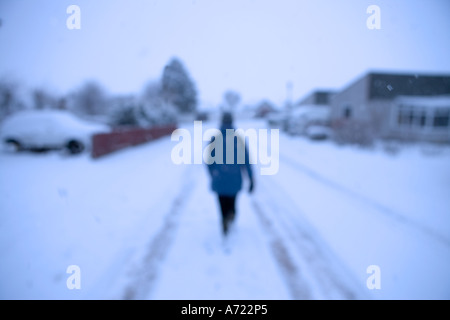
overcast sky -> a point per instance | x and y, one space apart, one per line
252 46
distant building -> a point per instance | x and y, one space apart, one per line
318 97
395 106
264 108
420 118
312 110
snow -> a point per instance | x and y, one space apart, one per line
141 227
48 128
312 112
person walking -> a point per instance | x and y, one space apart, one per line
227 178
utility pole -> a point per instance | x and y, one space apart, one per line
289 89
288 105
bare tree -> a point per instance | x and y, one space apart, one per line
232 99
10 100
90 99
42 99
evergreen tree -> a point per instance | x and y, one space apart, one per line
177 88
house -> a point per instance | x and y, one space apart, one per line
393 106
264 108
317 98
312 110
420 118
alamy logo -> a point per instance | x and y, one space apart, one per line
374 20
214 151
374 280
74 280
74 20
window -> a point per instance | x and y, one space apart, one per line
423 118
441 118
322 98
404 118
409 116
347 112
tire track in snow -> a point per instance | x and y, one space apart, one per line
311 271
355 196
144 276
289 269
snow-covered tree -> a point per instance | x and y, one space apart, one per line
177 88
123 112
155 109
90 99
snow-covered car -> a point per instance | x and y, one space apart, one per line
40 130
300 119
276 119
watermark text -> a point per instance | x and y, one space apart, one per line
374 280
191 150
374 20
74 20
74 280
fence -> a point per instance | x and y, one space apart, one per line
106 143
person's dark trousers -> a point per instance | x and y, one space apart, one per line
228 210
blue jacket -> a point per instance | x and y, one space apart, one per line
226 179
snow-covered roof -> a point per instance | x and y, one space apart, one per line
312 111
47 122
424 101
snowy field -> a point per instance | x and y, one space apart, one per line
140 227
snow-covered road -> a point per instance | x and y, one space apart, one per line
140 227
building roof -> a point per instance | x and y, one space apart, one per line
317 97
312 112
391 85
427 102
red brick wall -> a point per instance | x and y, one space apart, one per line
105 143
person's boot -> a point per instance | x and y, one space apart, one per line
228 221
232 216
225 226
